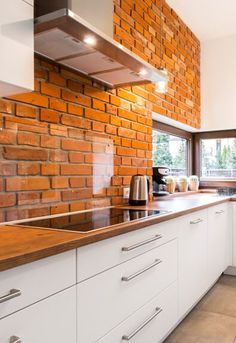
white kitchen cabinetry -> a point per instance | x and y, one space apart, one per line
217 241
192 259
107 299
52 320
17 51
111 252
149 324
34 281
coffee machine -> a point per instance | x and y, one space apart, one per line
159 184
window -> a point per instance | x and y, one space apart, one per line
171 150
218 158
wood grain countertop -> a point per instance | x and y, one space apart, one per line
22 244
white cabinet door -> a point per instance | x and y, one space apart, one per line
218 227
110 297
192 259
17 52
151 323
52 320
37 280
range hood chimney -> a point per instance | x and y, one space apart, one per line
78 34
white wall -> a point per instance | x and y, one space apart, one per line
218 84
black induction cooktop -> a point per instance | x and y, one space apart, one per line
93 220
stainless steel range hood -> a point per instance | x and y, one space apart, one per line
68 39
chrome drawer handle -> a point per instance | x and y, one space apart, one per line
12 294
196 221
137 245
15 339
219 212
128 278
140 327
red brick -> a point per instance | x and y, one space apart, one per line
27 139
7 200
96 93
49 116
7 137
26 154
75 121
27 184
76 195
75 109
26 111
96 115
60 182
32 99
50 142
51 196
76 169
56 79
58 156
7 169
51 90
28 198
70 144
58 105
77 182
25 168
76 157
50 169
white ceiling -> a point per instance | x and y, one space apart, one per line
208 19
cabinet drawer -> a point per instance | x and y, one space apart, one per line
151 323
113 251
22 286
110 297
52 320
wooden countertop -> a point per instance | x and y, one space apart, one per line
22 244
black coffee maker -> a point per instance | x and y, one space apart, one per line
159 184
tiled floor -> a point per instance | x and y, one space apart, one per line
213 320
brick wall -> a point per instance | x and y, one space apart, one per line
71 144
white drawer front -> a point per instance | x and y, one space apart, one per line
35 281
148 325
105 300
113 251
52 320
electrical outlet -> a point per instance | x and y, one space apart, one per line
126 192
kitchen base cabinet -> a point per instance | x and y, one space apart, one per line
192 259
151 323
218 227
35 281
52 320
107 299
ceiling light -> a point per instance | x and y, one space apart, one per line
162 86
143 72
90 40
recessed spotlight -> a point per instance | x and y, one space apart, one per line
143 72
90 40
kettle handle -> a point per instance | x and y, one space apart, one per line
148 184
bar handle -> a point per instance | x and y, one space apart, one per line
141 326
13 293
132 276
137 245
219 212
199 220
15 339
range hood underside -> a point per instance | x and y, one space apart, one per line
60 36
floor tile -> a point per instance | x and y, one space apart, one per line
213 320
221 298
